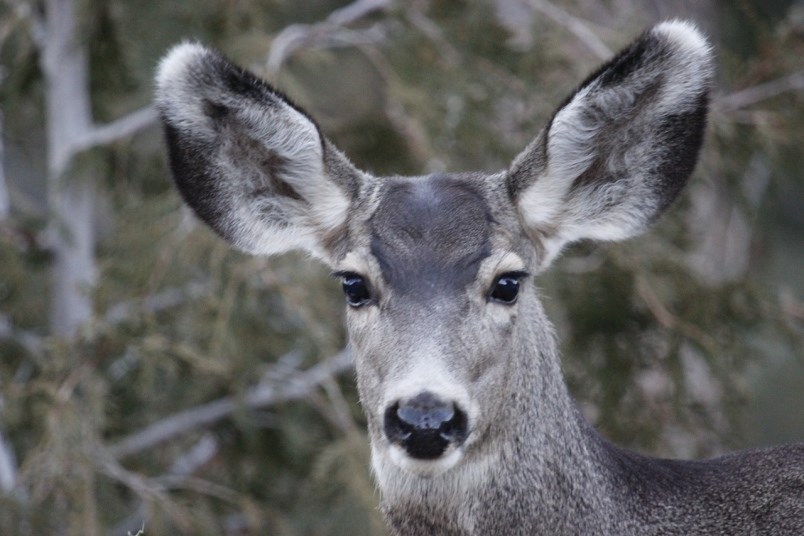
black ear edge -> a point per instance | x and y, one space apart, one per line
653 44
683 139
612 71
189 165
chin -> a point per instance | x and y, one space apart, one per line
388 461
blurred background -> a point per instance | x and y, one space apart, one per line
152 378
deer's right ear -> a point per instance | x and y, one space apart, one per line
618 152
250 163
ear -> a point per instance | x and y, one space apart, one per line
620 149
250 163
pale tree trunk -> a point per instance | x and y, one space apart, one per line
8 463
5 200
71 199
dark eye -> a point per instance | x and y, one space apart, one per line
355 289
506 287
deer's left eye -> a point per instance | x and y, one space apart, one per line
506 287
355 289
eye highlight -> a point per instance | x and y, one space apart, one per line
506 287
355 289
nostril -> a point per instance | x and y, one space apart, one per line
425 425
395 428
455 429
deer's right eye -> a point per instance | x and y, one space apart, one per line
506 287
355 289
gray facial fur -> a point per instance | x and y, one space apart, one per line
429 236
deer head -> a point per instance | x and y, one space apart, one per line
443 315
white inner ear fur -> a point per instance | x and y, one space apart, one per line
290 135
570 151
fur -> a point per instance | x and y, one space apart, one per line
613 157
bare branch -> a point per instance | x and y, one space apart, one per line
332 405
356 11
154 303
147 489
669 320
578 27
198 485
327 34
200 454
433 32
183 467
26 10
297 387
8 465
117 129
28 340
790 306
297 37
175 425
754 94
5 200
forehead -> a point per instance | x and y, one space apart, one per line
430 232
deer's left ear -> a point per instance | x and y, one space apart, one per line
249 162
620 149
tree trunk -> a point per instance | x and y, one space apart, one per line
5 201
71 199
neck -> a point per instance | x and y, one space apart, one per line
538 464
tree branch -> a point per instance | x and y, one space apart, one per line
183 467
356 11
183 422
577 27
670 321
117 129
331 32
433 32
754 94
25 10
5 200
31 342
145 488
200 454
8 465
155 303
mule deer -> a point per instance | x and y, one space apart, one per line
471 425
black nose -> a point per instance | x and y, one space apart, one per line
425 425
